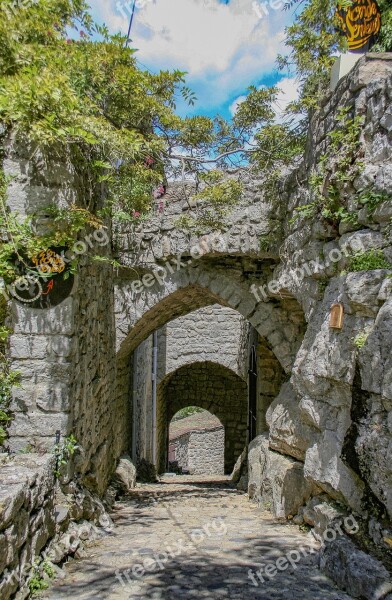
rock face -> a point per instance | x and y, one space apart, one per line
40 520
275 479
291 430
124 478
354 571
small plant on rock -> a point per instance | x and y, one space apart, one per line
63 453
360 339
370 260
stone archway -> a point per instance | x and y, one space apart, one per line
210 386
280 320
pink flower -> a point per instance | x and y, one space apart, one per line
83 34
69 41
135 214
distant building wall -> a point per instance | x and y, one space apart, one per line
201 452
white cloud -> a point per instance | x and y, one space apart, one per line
223 47
288 92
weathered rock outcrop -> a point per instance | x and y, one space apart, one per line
354 571
276 480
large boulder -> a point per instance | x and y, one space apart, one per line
356 572
275 479
324 466
321 512
124 478
290 432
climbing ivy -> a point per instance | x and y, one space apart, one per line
338 166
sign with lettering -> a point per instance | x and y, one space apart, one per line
45 280
361 23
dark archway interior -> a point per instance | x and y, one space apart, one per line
214 388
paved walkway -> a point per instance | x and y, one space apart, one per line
195 538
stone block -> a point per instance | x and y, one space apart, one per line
276 478
356 572
124 477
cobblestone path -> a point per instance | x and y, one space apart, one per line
201 539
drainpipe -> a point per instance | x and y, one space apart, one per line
154 396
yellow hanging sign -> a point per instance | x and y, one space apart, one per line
360 23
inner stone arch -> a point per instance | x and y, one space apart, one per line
212 387
217 341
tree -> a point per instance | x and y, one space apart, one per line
86 92
315 40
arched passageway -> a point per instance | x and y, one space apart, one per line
214 388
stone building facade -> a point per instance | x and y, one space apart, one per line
197 445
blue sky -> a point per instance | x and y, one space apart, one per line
225 46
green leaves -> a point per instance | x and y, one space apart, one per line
315 41
368 261
256 110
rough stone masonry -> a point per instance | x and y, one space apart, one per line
324 415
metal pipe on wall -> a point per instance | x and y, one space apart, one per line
154 396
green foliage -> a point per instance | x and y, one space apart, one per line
369 260
38 582
315 42
384 42
117 121
371 199
187 412
337 167
63 452
360 339
24 242
213 202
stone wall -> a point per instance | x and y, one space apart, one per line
206 450
213 334
27 517
142 402
66 354
332 414
45 518
201 452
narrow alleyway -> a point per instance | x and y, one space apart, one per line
193 537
